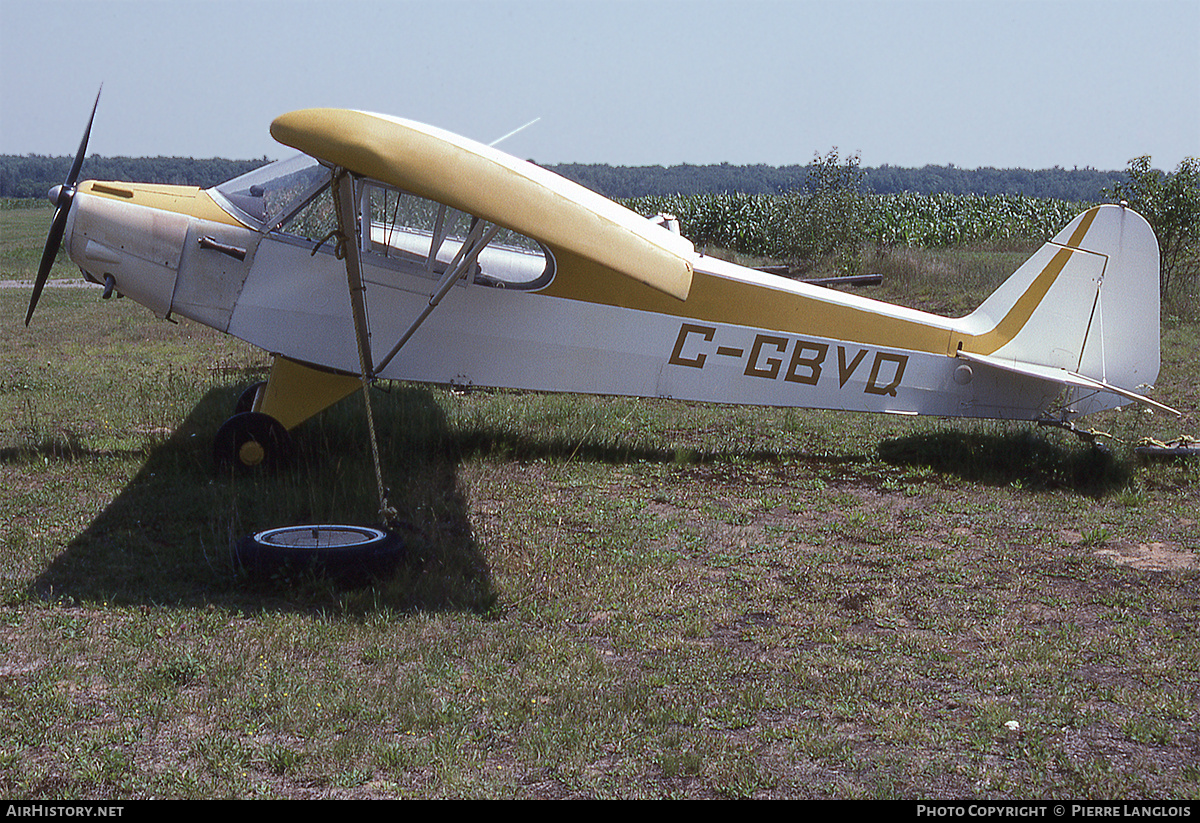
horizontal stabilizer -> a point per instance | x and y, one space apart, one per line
1063 377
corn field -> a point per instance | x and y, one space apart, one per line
753 224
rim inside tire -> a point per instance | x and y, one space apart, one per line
320 537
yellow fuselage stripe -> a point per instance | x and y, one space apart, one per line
189 200
720 300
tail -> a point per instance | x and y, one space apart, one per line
1084 311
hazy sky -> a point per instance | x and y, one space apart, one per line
1021 83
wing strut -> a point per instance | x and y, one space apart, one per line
463 264
460 266
343 195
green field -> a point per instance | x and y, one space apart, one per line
603 597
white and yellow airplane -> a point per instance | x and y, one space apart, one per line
393 250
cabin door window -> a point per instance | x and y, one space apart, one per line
421 235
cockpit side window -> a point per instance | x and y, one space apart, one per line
406 227
396 229
313 219
427 236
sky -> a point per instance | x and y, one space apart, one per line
974 83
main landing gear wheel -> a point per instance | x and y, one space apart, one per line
245 402
350 554
251 440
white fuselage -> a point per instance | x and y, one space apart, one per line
295 303
290 296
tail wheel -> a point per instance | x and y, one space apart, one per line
251 440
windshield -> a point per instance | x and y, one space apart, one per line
272 192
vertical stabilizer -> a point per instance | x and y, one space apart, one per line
1087 302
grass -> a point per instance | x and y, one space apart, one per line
949 282
605 597
23 227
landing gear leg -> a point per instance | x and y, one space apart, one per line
256 436
249 398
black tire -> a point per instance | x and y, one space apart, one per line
251 441
245 402
352 555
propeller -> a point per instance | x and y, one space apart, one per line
62 196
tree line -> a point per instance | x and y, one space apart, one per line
1072 185
34 175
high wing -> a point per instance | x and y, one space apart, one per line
494 186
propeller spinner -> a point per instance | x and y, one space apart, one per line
62 196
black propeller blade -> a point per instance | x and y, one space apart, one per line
62 206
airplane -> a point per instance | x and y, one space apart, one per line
391 250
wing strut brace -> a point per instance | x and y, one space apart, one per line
343 195
459 267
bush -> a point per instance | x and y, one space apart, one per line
826 220
1171 204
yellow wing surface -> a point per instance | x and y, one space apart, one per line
489 184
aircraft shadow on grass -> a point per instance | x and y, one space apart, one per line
1021 457
168 537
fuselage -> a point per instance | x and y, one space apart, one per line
585 297
742 336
